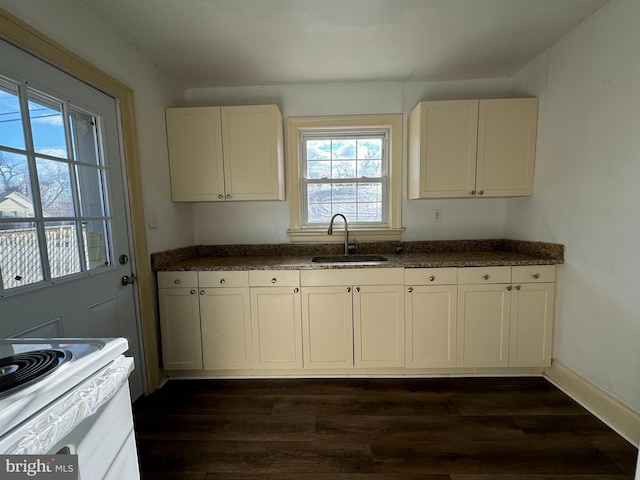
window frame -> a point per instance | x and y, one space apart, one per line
296 126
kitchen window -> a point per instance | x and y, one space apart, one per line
53 216
349 165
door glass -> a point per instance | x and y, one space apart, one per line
62 248
11 129
54 180
20 260
47 126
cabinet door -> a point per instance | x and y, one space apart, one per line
226 328
430 314
327 327
506 147
194 140
276 319
180 328
531 325
483 325
253 152
378 319
442 149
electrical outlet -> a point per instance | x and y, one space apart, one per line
152 217
437 214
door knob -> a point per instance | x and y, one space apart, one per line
128 280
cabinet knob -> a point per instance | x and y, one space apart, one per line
348 289
222 281
296 290
509 288
410 289
220 196
358 289
485 276
193 292
201 292
481 192
274 280
432 278
228 196
518 287
536 275
473 192
176 281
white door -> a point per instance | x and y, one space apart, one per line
64 229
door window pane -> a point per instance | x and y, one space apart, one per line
54 180
11 129
84 137
91 191
47 126
95 237
62 248
16 199
20 261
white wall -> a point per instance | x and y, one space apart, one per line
587 193
79 29
268 222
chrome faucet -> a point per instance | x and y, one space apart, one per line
346 231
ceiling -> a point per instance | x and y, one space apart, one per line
266 42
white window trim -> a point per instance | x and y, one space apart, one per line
297 125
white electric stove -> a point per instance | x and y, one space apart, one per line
69 396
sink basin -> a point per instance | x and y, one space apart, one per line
350 259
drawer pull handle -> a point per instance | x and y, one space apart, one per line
201 292
432 278
220 196
536 275
193 292
358 289
228 196
473 192
348 289
481 192
296 290
485 276
518 287
410 289
222 281
509 288
274 280
176 281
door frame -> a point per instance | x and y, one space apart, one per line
20 34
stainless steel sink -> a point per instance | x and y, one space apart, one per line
350 259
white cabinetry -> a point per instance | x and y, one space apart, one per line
276 319
225 319
226 153
179 320
466 148
353 317
430 317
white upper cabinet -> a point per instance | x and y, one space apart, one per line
467 148
226 153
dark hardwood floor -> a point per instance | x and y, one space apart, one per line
366 429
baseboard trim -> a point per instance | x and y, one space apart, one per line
622 419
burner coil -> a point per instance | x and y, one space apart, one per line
24 368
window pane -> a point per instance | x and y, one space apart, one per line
20 260
84 137
11 131
370 148
343 149
318 193
47 126
370 192
96 244
316 170
347 209
343 192
318 149
343 169
16 199
62 248
91 188
370 212
55 188
319 212
369 168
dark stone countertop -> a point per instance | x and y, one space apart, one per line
456 253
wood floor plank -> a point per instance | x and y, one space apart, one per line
374 429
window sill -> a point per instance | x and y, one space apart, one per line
317 235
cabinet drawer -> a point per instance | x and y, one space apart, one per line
431 276
177 279
223 279
479 275
274 278
534 274
348 276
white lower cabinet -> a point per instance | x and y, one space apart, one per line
276 318
430 317
225 317
179 320
353 318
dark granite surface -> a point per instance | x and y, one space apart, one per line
455 253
